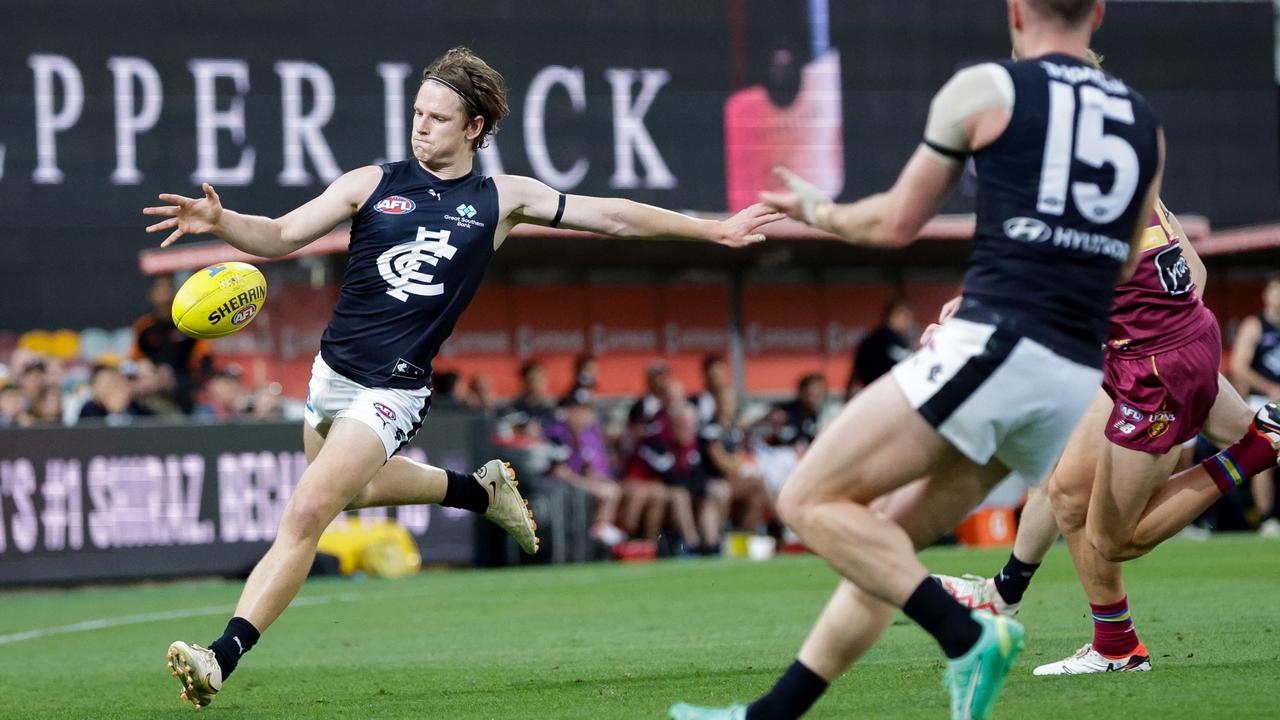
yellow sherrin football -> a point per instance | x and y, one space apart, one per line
219 300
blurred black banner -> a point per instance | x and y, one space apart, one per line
92 504
103 105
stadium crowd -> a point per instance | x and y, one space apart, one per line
690 463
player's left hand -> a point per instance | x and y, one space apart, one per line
741 229
800 200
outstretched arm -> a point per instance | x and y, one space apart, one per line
889 219
966 115
525 200
264 236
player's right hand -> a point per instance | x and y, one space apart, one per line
187 216
800 201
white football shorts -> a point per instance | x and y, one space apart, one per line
993 393
395 415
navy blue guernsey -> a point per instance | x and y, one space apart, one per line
419 248
1060 194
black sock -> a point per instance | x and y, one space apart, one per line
238 639
464 492
949 622
795 692
1014 578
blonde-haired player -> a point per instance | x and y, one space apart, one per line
422 233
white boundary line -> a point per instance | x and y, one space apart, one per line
343 597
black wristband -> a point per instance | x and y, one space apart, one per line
555 221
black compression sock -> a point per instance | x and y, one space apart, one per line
949 622
1014 578
238 639
796 691
464 492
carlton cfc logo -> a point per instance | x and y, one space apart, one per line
395 205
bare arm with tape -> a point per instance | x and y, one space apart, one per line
967 114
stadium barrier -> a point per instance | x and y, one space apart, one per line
89 504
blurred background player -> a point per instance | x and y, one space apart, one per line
1255 370
974 404
1161 387
888 344
416 260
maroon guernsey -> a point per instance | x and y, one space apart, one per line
1158 308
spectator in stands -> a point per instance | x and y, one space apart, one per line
675 458
33 378
785 432
586 372
641 417
11 410
716 377
1255 371
47 409
264 404
724 453
153 387
479 395
795 422
225 396
157 339
534 399
885 346
111 401
445 391
583 461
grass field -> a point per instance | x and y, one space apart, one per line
608 641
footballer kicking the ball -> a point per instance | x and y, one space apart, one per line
422 233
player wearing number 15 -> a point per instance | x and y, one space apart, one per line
422 232
1069 160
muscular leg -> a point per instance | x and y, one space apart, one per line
1189 493
402 482
350 455
852 619
1070 487
876 445
1037 528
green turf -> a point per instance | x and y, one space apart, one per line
608 641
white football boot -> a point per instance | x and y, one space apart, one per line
1266 422
1087 660
197 670
978 593
507 509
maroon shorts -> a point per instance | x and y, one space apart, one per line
1162 400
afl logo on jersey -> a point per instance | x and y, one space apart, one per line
1027 230
395 205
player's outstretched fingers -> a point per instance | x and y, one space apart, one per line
178 200
165 225
169 210
173 237
785 202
